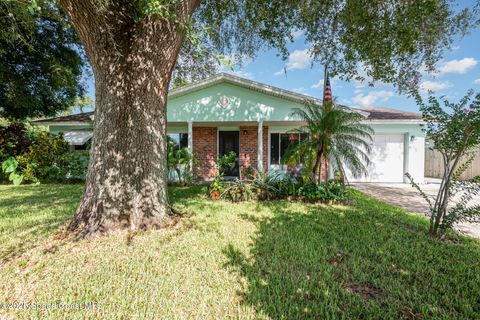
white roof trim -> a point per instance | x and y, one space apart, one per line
395 121
242 82
61 123
77 138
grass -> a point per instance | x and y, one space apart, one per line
271 260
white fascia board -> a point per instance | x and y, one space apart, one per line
56 123
394 121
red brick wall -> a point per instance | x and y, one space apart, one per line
205 151
249 147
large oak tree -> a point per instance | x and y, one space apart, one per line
133 47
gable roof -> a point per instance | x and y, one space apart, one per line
371 113
73 119
245 83
377 113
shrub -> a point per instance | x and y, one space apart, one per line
249 173
226 162
27 169
46 149
331 192
71 166
216 188
47 159
178 160
44 158
289 186
266 185
10 168
238 190
14 141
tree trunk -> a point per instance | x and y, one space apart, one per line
132 60
443 196
317 166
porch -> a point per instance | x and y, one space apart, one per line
259 145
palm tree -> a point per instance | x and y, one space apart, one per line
335 133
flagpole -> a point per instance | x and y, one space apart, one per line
325 77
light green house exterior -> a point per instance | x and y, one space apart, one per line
258 115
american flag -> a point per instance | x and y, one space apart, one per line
327 95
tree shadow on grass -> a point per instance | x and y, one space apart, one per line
367 262
30 214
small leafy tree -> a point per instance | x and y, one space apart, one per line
335 133
455 133
178 159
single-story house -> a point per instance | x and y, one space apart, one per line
226 112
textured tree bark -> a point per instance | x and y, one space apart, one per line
317 166
132 60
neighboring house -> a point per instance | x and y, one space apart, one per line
226 112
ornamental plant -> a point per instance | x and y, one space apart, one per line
226 162
454 130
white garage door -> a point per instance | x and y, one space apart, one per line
386 158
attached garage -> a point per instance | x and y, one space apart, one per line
398 146
387 159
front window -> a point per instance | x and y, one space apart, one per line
180 139
279 143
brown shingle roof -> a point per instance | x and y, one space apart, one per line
389 114
86 117
374 114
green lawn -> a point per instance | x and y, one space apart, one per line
272 260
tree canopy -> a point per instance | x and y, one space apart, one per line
41 60
41 63
384 40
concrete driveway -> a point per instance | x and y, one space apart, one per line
408 198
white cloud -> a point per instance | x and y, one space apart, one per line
241 73
299 90
434 86
319 84
362 71
457 66
297 60
373 96
476 81
455 48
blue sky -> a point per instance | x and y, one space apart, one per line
459 71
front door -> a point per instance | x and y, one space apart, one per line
229 141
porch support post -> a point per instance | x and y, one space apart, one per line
406 156
260 147
190 143
331 169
